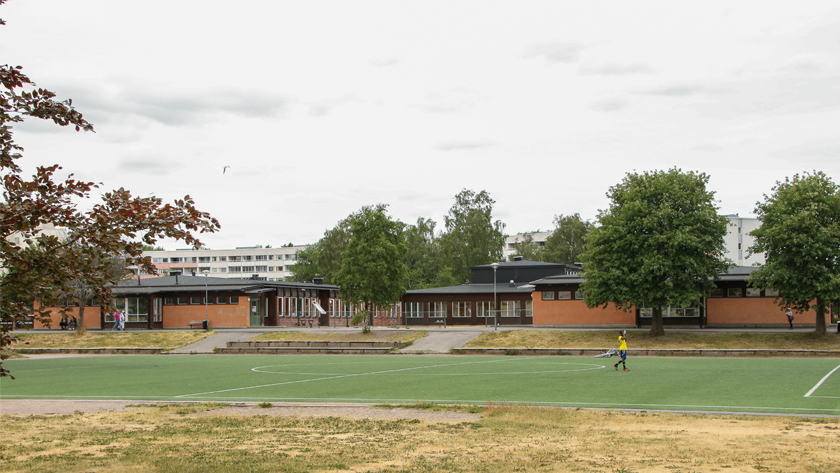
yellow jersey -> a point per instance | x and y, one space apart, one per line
622 343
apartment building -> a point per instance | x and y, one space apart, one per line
738 240
247 262
512 240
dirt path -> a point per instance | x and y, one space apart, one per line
360 411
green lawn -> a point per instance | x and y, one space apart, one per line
701 384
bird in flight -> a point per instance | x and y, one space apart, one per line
225 169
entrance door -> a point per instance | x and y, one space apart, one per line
256 319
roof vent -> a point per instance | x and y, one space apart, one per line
318 281
255 276
512 284
176 274
517 258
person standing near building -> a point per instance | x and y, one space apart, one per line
122 320
622 350
116 321
789 314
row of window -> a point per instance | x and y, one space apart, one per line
194 300
214 259
717 292
463 309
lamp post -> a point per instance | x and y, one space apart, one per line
206 312
301 295
495 309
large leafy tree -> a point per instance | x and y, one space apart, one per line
40 265
472 238
422 257
800 239
567 242
661 243
372 268
323 259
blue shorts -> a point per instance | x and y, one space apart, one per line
623 354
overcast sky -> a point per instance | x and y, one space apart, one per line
320 108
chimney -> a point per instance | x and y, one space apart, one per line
176 274
517 258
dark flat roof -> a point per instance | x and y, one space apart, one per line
192 283
501 288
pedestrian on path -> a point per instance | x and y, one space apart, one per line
122 320
116 321
789 314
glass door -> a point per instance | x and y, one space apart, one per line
256 319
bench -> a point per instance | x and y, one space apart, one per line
199 323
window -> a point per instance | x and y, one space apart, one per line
548 295
221 300
270 269
195 300
437 309
261 258
168 301
485 308
261 269
414 310
247 269
234 269
511 308
564 295
461 309
136 309
234 299
235 259
247 258
176 260
279 268
716 292
753 292
222 270
203 259
579 295
529 309
733 292
222 258
183 300
214 258
671 312
771 293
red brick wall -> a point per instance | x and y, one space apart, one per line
220 315
92 317
575 312
750 311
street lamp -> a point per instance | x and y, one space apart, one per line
206 313
495 309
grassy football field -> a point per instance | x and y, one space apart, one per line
750 385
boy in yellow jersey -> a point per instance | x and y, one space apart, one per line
622 350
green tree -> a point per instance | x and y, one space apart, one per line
528 249
372 268
567 242
42 265
800 238
422 257
472 238
661 243
323 259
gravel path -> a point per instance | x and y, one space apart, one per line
359 411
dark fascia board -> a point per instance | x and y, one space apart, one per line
736 273
501 288
195 283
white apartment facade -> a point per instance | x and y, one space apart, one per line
738 240
511 240
251 262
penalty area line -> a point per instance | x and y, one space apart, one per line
822 381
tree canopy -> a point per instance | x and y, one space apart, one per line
472 238
372 269
323 259
661 243
800 238
567 242
40 266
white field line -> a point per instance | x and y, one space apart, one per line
821 381
339 377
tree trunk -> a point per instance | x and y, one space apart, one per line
80 321
820 325
657 329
